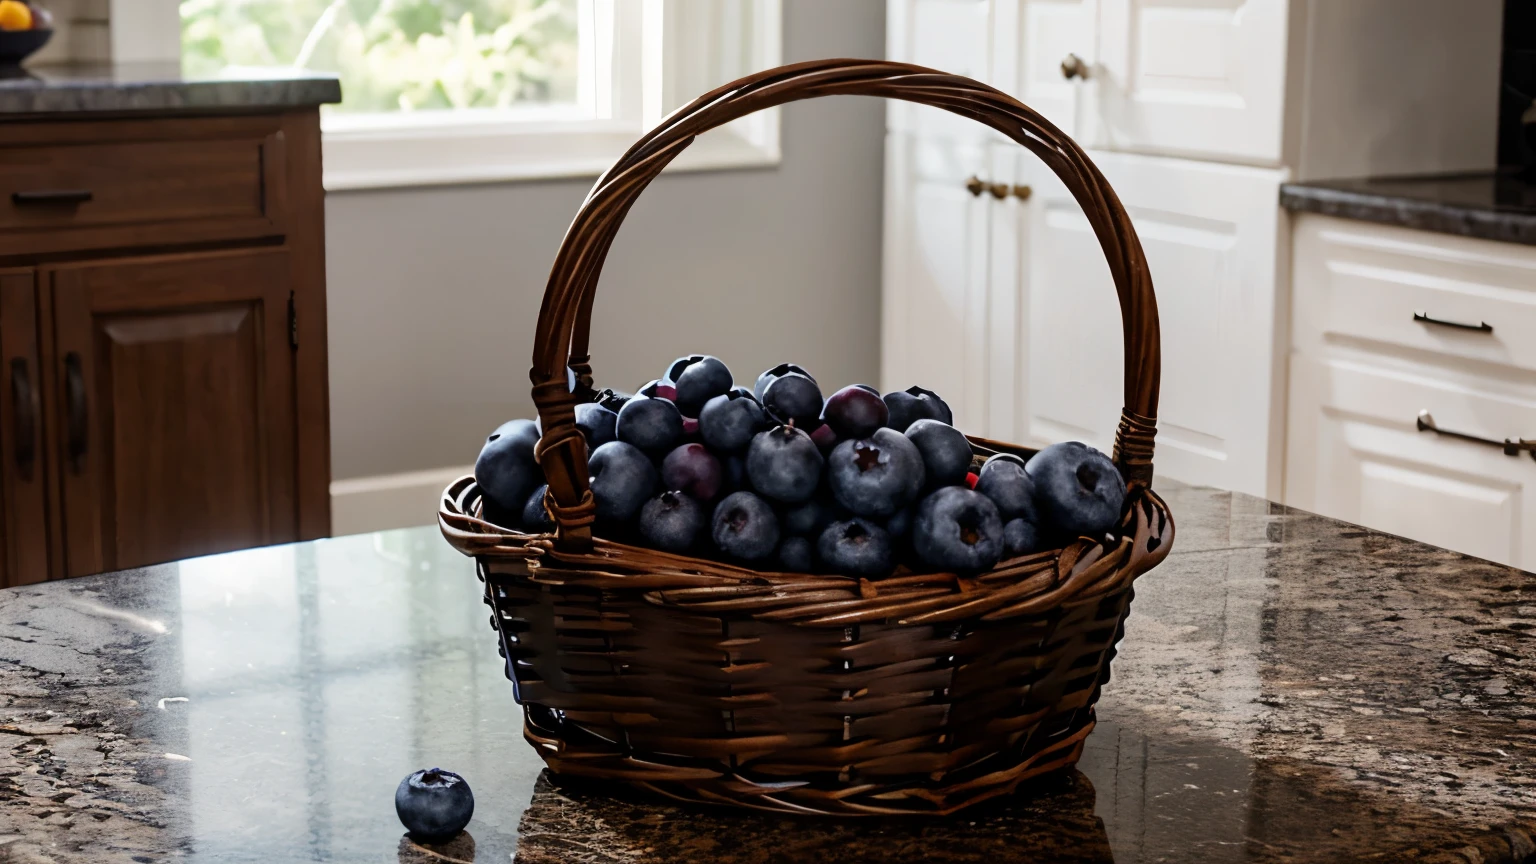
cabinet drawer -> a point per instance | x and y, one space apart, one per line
1451 298
121 184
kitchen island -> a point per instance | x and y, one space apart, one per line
1290 689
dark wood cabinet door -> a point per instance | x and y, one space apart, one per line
23 460
174 407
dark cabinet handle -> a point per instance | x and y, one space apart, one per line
75 402
1479 327
1510 446
26 414
51 196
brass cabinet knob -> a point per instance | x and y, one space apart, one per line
1074 67
998 190
974 185
1022 191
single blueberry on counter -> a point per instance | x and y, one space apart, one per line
744 527
505 470
1078 489
434 805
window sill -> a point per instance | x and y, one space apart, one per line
360 160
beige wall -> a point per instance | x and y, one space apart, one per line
433 292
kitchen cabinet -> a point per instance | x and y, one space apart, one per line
163 331
1397 334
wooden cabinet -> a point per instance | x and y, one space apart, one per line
168 399
1378 363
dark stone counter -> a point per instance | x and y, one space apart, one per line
1493 206
157 87
1290 689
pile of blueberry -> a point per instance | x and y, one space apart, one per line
777 477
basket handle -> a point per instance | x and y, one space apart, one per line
565 316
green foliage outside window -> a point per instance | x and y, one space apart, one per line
396 55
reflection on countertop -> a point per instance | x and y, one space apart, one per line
158 87
1493 205
1290 689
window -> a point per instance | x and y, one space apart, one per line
456 91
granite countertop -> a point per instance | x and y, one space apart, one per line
1491 205
1290 689
159 87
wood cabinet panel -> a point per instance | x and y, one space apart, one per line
23 458
176 407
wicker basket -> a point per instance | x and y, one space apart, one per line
815 694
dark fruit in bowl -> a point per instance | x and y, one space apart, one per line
691 468
856 547
597 424
807 520
1004 480
505 470
535 518
876 476
793 399
795 555
672 521
744 527
654 425
958 530
1021 537
945 450
728 421
854 412
700 382
1078 489
783 464
434 805
776 373
622 480
914 403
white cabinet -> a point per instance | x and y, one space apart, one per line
1368 358
1031 39
1209 232
952 35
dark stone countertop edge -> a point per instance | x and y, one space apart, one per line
107 96
1407 212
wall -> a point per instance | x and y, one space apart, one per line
433 293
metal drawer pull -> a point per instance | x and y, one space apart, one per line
1479 327
51 196
1510 446
975 185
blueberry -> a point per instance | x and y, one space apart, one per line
692 469
900 525
869 388
876 476
745 391
434 805
1021 537
856 547
1004 480
596 424
744 527
672 521
657 389
505 470
675 370
913 404
622 478
946 451
854 412
734 471
793 399
728 421
795 555
654 425
784 464
535 518
1078 489
774 374
825 438
958 530
701 382
807 520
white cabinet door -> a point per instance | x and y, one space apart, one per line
934 308
1211 234
1202 78
1031 40
948 35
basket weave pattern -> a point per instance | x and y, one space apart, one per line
818 694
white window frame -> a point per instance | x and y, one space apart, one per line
681 49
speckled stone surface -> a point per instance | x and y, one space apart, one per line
157 87
1493 206
1290 689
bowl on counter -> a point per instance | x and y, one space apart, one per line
24 29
